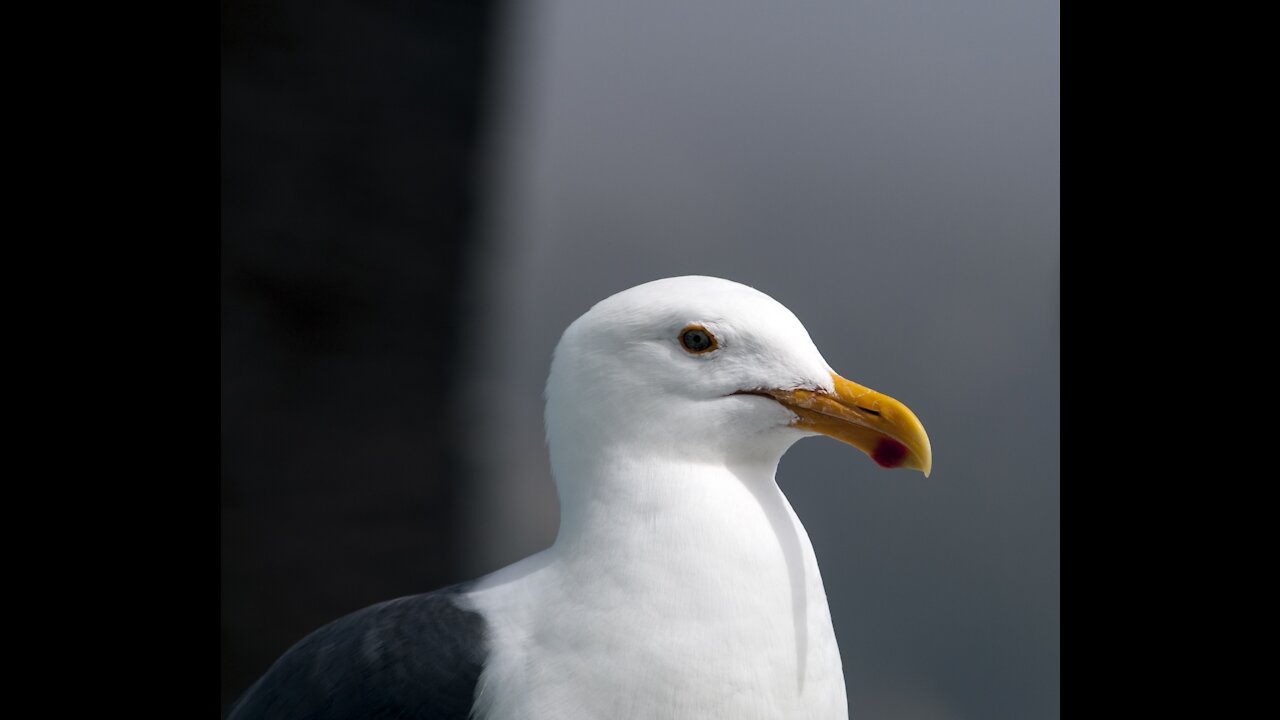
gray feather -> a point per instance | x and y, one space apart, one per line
414 657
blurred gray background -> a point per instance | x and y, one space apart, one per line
890 172
417 198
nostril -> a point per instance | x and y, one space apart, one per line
868 410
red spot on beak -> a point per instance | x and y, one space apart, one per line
889 453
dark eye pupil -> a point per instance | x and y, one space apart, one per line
696 340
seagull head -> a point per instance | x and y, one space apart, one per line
702 369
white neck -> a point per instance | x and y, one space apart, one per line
701 572
669 525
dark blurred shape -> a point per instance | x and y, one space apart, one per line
349 135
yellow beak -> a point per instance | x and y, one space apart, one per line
874 423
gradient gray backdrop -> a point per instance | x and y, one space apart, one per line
890 172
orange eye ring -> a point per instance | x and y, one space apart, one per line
697 340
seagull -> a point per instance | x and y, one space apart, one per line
681 584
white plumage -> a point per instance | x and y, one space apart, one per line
681 583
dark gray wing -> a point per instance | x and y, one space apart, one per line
414 657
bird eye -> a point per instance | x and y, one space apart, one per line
697 339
